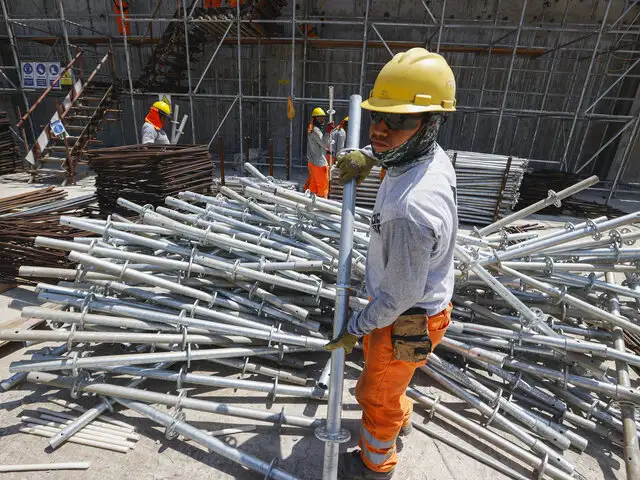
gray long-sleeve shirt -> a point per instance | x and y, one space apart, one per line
413 232
151 135
317 145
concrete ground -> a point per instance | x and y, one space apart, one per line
300 453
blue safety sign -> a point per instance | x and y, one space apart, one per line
54 71
28 77
42 79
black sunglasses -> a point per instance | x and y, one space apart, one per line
396 121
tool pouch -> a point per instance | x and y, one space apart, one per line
410 338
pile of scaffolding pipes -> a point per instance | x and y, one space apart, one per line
249 280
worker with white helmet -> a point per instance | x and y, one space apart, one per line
152 128
318 140
410 272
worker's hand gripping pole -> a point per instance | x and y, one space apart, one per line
332 433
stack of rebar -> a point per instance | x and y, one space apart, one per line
24 217
248 280
148 173
9 152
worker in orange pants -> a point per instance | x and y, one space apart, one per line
318 139
409 271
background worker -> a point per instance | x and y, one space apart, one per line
410 272
317 146
159 114
339 136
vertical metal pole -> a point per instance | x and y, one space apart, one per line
270 157
128 59
64 31
240 91
16 61
444 7
260 95
287 157
631 451
549 77
332 434
303 104
584 87
292 85
188 58
363 62
485 76
221 154
506 88
625 158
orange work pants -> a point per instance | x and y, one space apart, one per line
381 393
318 180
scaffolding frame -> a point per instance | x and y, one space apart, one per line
570 39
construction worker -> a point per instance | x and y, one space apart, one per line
317 146
339 136
159 114
410 272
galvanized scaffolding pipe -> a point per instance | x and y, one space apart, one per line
16 379
515 411
532 442
553 198
119 392
581 305
181 320
223 382
250 366
333 434
631 450
444 412
212 443
542 245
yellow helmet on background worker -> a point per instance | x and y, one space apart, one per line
415 81
318 112
163 106
346 119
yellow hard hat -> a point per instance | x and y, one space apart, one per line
346 119
163 106
414 81
318 112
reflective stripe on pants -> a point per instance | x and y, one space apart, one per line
380 393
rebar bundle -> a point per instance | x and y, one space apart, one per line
148 173
23 217
10 160
248 277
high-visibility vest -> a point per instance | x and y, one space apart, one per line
122 26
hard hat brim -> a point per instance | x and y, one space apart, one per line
394 106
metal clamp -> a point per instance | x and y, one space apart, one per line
124 268
105 232
551 195
177 416
491 417
274 392
145 209
188 272
72 332
589 285
548 266
543 467
272 465
81 379
434 407
592 227
234 272
181 376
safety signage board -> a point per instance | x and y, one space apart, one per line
28 75
42 78
53 70
43 74
66 78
